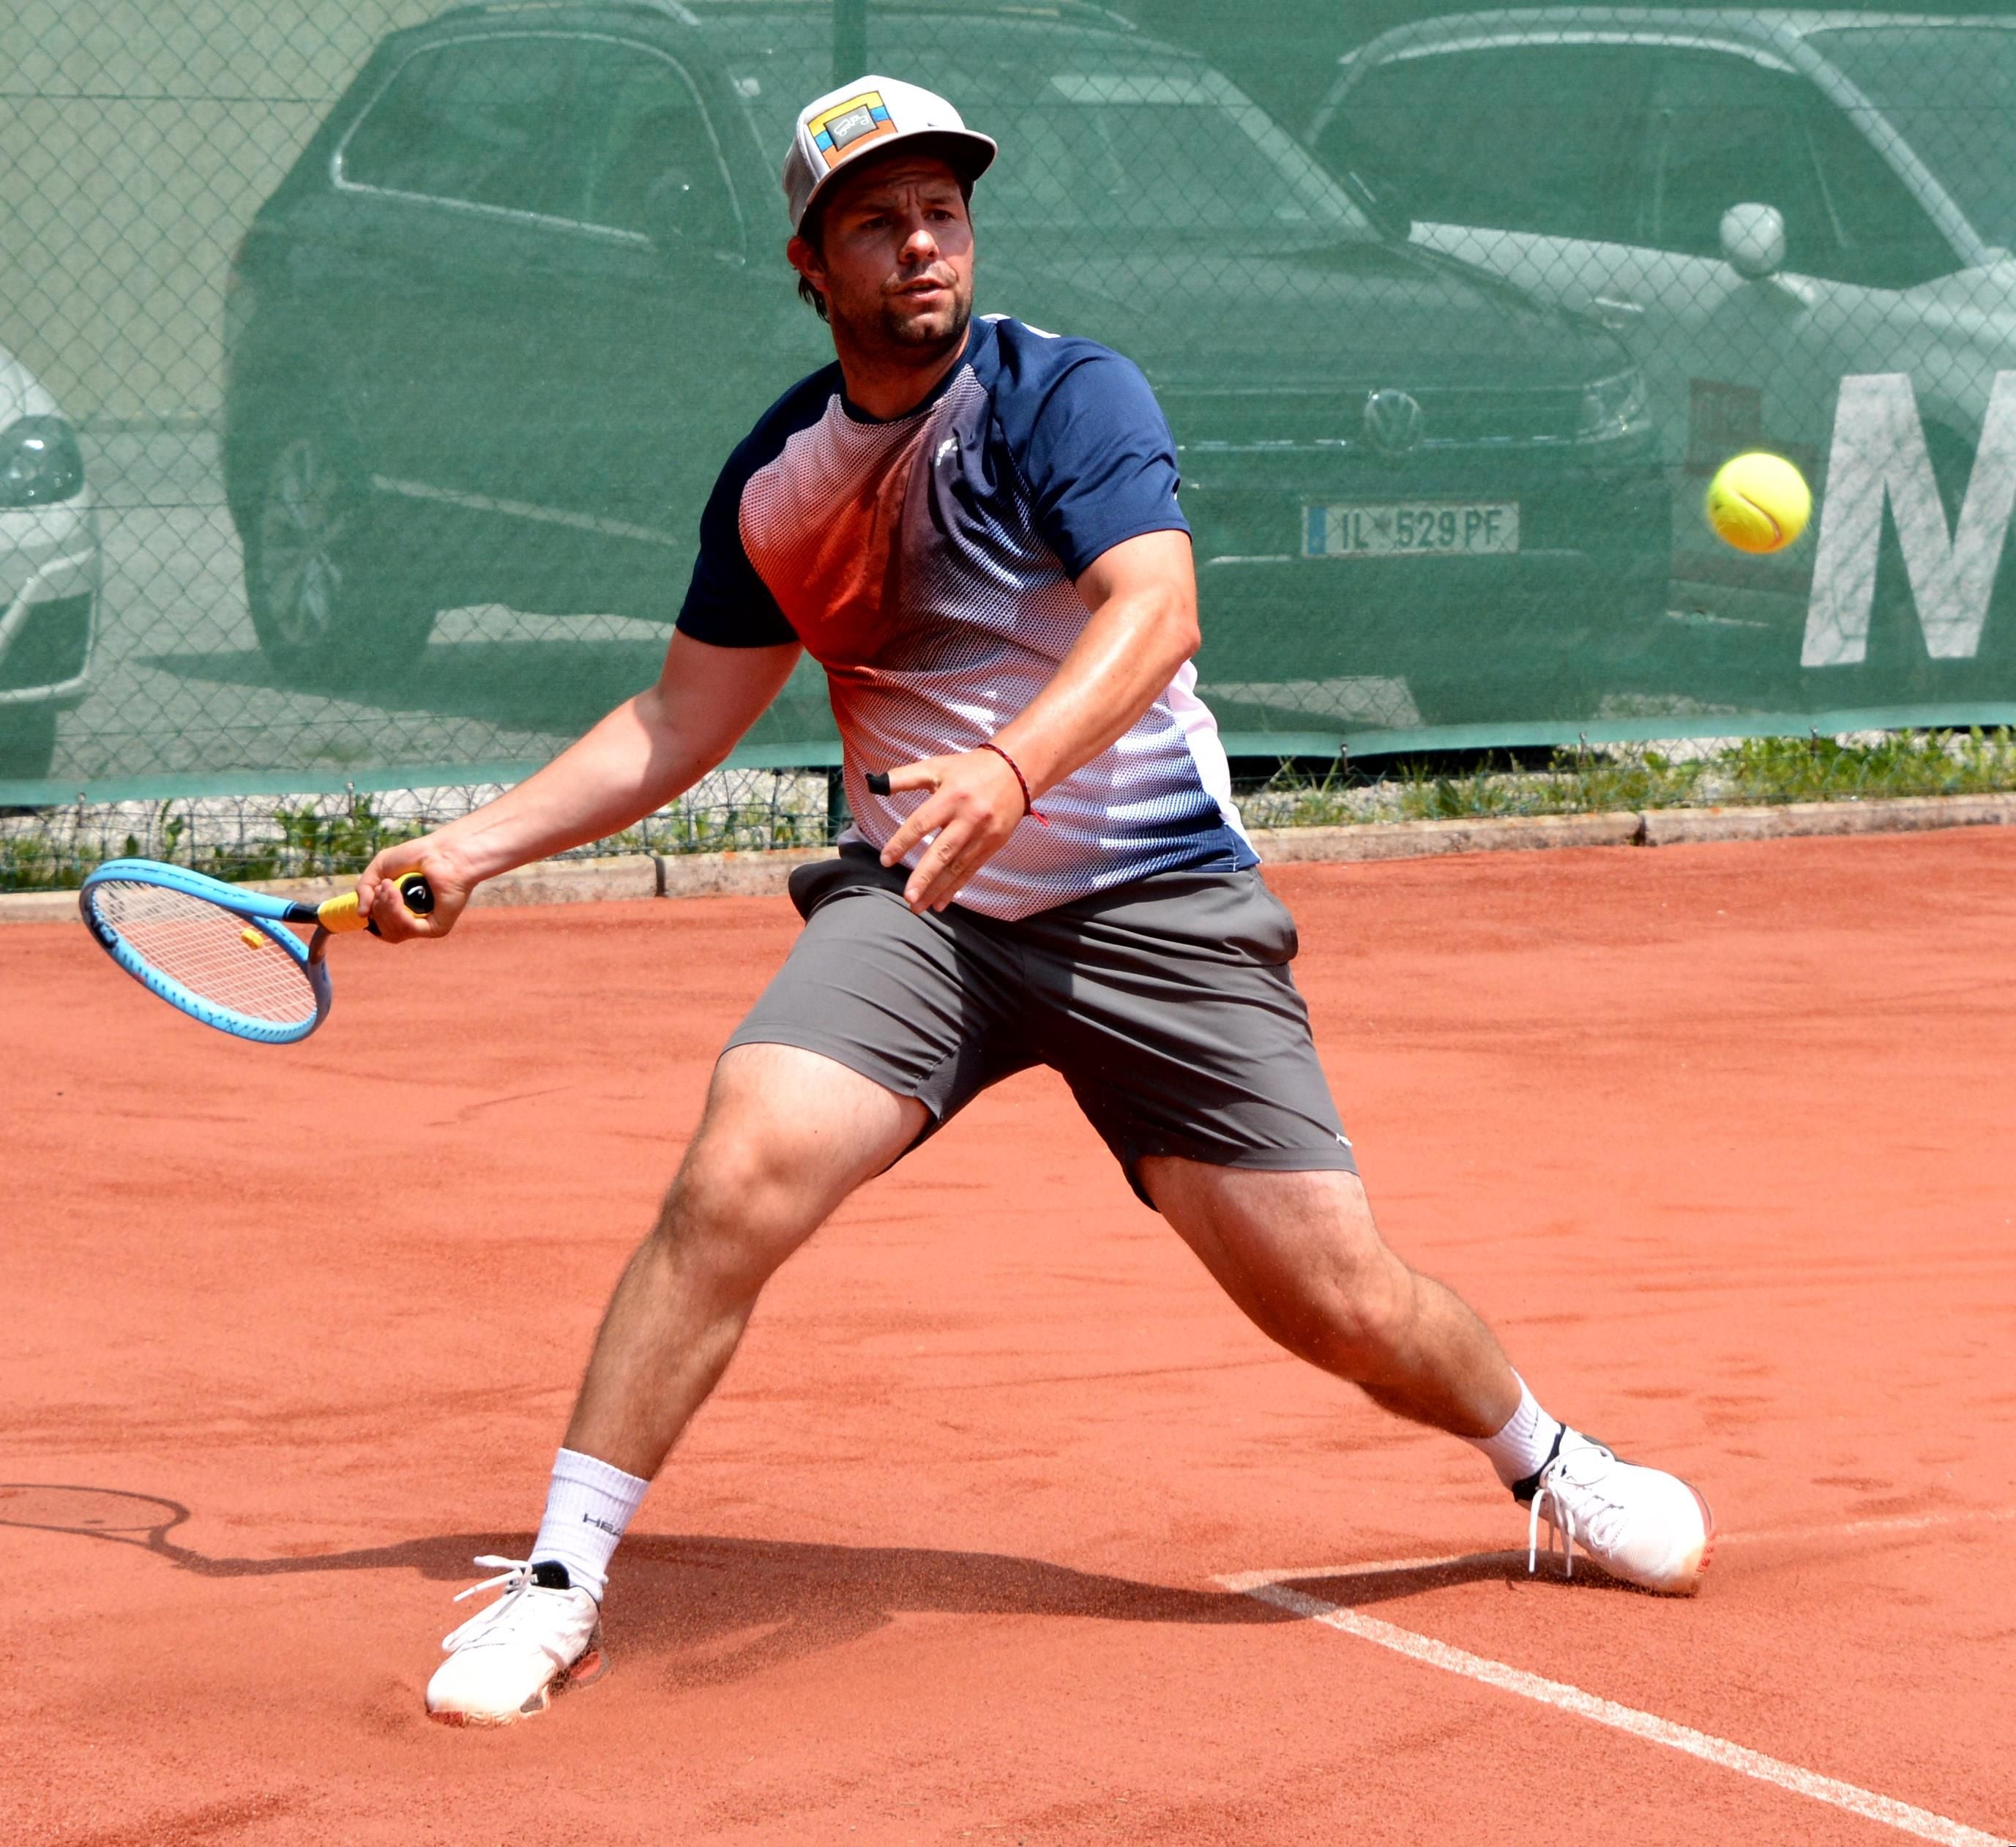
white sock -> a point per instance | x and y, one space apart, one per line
587 1506
1521 1450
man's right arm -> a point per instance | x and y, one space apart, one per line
650 749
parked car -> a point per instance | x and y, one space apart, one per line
1761 206
499 327
48 572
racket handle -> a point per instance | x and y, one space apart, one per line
341 914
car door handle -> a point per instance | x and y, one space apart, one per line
1614 311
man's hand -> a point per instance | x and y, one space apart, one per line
974 805
378 891
1142 597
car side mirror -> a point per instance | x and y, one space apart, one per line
1753 241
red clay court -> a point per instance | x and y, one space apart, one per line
1006 1527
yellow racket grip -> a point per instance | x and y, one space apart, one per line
341 914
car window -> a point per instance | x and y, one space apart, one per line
1109 149
475 121
1950 92
1727 131
1103 139
1536 138
1731 132
653 166
1382 132
1886 239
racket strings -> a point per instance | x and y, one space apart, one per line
209 951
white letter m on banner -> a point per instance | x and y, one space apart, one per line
1879 451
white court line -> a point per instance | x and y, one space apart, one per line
1246 1581
1264 1588
1900 1523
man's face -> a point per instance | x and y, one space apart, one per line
895 257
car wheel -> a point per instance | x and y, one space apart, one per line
27 741
326 607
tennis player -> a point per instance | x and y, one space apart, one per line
973 526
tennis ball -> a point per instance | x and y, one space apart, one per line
1759 503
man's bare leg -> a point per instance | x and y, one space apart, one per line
787 1135
1299 1253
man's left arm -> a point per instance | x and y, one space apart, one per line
1142 596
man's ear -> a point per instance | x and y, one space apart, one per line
805 261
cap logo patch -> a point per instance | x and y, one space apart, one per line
861 118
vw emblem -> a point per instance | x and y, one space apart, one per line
1394 422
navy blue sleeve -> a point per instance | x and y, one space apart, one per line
1091 442
727 603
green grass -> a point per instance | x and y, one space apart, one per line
30 866
55 850
296 843
1751 771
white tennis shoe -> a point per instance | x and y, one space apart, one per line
506 1663
1643 1525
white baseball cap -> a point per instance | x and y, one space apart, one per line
866 116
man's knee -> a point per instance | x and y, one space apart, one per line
1301 1254
787 1135
735 1210
1364 1302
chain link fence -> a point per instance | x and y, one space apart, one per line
362 369
270 836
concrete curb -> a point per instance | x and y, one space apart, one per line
762 875
734 875
39 907
1421 839
1904 814
552 881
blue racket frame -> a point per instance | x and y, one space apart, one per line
269 915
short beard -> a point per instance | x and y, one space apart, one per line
908 332
883 327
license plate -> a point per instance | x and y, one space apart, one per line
1411 529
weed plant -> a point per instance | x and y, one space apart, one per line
54 850
250 837
1746 772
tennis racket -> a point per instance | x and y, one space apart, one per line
222 953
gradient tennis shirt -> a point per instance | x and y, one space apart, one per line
926 562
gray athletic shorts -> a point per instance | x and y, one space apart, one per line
1166 1004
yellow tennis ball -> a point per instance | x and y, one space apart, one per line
1759 503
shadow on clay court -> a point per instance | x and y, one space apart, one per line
716 1610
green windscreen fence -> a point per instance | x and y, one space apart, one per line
364 367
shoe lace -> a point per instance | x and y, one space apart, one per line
514 1576
1575 1506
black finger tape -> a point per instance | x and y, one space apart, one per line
878 782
